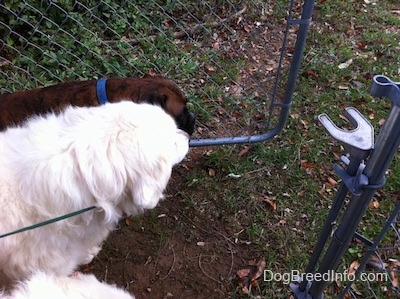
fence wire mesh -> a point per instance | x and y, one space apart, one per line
370 268
231 58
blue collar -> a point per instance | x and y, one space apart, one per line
101 91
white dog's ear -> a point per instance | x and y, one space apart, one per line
102 168
156 167
148 189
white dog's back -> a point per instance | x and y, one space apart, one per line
79 286
117 157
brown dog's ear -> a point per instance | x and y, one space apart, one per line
163 101
156 99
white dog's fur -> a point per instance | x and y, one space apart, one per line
117 157
79 286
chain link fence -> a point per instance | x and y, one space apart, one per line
377 271
237 61
371 266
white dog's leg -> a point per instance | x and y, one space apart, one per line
79 286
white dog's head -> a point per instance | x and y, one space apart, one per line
118 156
131 153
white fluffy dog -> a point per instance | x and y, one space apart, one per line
117 157
79 286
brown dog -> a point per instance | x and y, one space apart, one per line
17 107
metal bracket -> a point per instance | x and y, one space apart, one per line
382 86
359 141
298 292
353 183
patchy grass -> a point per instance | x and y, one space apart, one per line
349 42
286 186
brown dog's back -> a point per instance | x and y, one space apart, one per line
17 107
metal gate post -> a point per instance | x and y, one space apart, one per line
363 185
357 153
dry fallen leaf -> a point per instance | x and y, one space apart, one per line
353 268
345 64
242 273
245 290
271 202
260 269
244 151
311 74
152 72
374 204
211 172
282 222
332 181
249 276
395 280
358 84
306 164
211 69
394 262
269 68
128 221
254 283
4 63
221 111
301 193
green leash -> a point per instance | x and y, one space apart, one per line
47 222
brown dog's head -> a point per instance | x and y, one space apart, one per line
157 90
172 100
